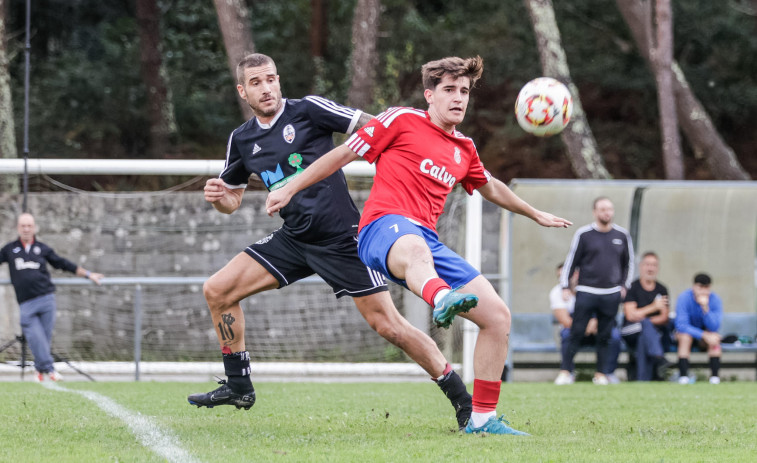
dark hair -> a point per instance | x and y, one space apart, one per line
703 279
560 265
252 60
434 71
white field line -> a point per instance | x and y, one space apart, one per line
147 432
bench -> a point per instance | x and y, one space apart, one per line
538 333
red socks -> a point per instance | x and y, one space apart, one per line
431 287
485 395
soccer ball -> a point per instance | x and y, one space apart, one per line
543 107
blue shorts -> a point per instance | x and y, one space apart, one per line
376 238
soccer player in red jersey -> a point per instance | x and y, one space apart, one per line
419 158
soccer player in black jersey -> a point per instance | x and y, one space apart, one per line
318 236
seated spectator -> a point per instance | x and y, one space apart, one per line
699 312
645 320
562 310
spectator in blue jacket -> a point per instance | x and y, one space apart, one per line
699 312
27 259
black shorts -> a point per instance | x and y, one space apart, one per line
337 263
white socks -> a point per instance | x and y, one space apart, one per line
440 295
479 419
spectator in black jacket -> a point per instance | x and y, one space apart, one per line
27 259
604 253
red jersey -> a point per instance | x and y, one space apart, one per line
417 165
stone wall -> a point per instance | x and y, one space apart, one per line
179 234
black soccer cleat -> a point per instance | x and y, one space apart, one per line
224 395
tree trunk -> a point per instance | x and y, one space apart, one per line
159 105
319 34
8 183
587 162
692 117
662 55
365 25
319 30
237 38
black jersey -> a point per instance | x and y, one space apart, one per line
642 297
277 152
29 274
605 260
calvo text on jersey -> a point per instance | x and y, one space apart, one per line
440 173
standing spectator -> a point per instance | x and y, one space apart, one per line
35 291
646 312
699 312
562 310
604 254
420 156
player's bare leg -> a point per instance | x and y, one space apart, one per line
493 319
382 315
238 279
410 259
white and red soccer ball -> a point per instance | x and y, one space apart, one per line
543 107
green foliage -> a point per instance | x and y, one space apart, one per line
88 99
387 422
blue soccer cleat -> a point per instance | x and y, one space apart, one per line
452 304
495 426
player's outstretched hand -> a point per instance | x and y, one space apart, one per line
545 219
276 200
214 190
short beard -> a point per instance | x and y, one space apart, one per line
258 113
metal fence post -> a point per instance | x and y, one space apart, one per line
137 329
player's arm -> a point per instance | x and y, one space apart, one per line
223 198
363 119
501 195
315 172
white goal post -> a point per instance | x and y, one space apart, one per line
49 166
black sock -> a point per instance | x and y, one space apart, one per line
237 367
715 365
683 366
454 388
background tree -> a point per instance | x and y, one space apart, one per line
693 118
319 39
159 105
7 128
365 26
581 146
233 19
89 100
662 59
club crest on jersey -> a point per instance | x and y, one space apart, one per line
439 173
36 250
288 133
369 131
458 158
269 178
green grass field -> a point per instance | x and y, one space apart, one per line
395 422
